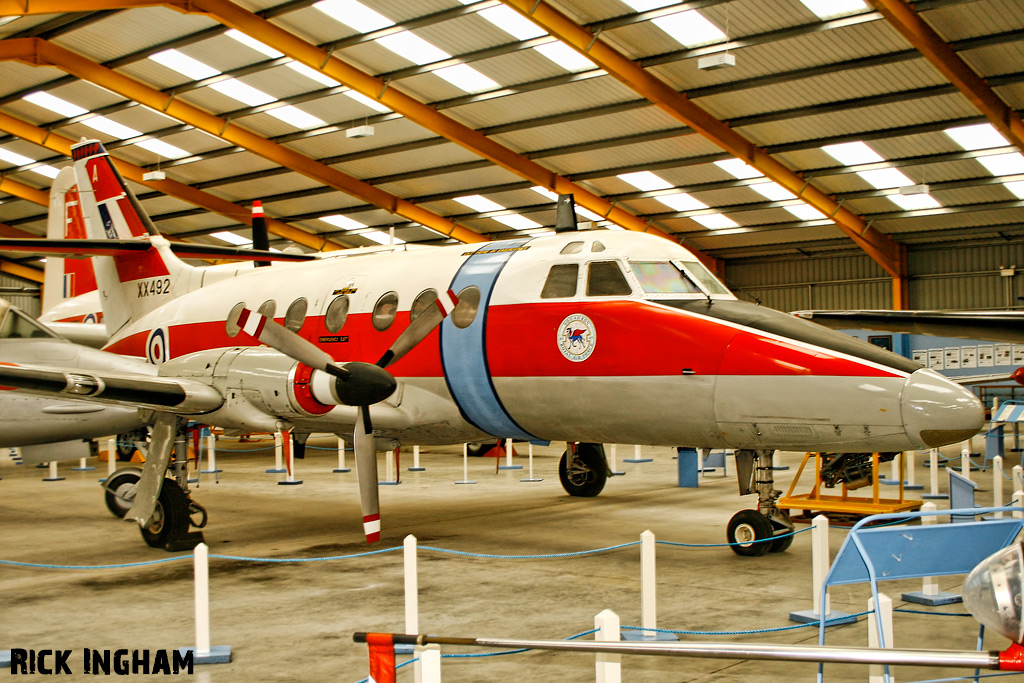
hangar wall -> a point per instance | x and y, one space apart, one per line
946 276
28 302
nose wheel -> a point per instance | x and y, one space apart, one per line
752 533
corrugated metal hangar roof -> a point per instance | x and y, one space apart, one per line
826 122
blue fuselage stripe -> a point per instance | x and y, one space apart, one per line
464 351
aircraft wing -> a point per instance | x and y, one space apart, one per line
1005 326
84 248
165 394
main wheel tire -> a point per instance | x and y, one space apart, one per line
781 545
746 529
588 477
170 519
126 443
119 492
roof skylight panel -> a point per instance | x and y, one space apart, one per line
466 78
772 191
343 222
682 202
231 238
355 14
299 67
103 124
828 9
980 136
738 168
367 101
483 204
236 89
691 28
22 160
645 181
716 221
521 28
1003 164
380 237
1016 187
804 212
852 153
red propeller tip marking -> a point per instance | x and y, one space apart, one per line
371 527
251 323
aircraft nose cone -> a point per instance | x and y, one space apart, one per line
937 411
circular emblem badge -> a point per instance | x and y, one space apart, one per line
156 346
577 337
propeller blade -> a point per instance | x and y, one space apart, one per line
366 470
419 328
276 336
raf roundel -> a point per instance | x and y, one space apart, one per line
577 337
156 346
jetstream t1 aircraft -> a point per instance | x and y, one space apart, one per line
582 337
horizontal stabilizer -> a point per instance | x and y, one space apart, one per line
84 248
1005 326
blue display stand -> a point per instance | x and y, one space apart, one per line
687 463
994 444
218 654
961 496
871 554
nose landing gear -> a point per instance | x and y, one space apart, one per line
753 533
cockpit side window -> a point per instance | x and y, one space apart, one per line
18 326
572 248
561 281
605 278
663 277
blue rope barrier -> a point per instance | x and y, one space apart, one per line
940 614
578 553
723 545
94 566
279 560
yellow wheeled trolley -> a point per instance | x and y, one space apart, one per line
850 471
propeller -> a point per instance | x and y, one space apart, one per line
354 383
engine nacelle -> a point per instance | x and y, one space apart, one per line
259 385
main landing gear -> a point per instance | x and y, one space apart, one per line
767 529
157 496
583 469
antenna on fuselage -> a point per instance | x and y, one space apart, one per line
565 214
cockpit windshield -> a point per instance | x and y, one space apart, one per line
663 277
16 325
702 276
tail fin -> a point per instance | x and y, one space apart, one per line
66 279
132 283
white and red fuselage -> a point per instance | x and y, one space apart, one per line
581 354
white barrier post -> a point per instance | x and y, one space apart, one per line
53 473
203 652
997 484
531 477
211 457
819 570
608 665
648 595
341 457
1017 478
648 587
1018 501
465 466
430 664
201 566
930 593
894 470
412 607
83 466
389 465
416 460
288 446
884 613
278 468
910 458
614 468
933 475
111 456
638 455
965 462
508 457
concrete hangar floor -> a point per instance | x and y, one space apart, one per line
294 621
